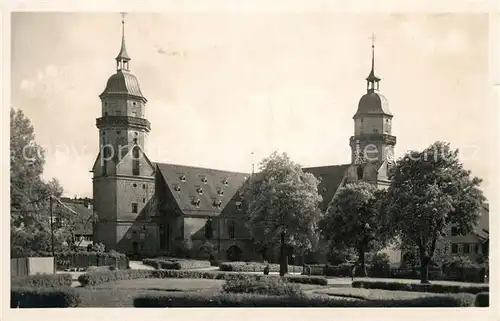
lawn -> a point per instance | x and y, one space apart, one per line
121 293
372 294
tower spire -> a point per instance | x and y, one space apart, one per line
372 80
123 58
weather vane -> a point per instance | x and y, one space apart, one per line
123 16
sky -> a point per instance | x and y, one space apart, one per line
221 86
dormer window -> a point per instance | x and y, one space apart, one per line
196 202
199 190
239 205
204 180
182 178
220 192
225 182
177 188
217 203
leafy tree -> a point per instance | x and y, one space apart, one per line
353 219
283 207
29 194
431 190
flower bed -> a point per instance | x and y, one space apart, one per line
268 286
95 278
42 280
37 297
434 288
257 300
256 267
176 264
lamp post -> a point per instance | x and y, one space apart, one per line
51 225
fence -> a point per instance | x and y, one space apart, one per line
31 266
86 259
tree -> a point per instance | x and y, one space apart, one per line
29 194
430 190
353 219
283 207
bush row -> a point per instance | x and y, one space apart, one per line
36 297
268 286
258 300
42 280
256 267
176 264
417 287
95 278
482 300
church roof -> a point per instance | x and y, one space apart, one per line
198 191
83 218
123 82
482 227
373 103
331 178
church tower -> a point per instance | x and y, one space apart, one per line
123 181
373 141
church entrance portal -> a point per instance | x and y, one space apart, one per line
234 253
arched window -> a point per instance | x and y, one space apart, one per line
209 233
231 228
135 161
360 172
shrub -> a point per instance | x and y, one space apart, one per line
36 297
306 279
43 280
417 287
380 265
95 278
482 300
176 264
257 285
256 300
341 270
256 267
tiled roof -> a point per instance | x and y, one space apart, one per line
373 103
123 82
331 177
83 221
483 225
198 191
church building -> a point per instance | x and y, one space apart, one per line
145 207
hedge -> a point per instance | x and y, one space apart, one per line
482 300
345 270
35 297
42 280
268 286
95 278
256 267
176 264
255 300
417 287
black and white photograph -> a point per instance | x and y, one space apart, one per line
255 159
